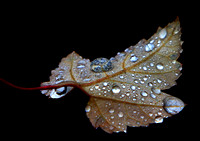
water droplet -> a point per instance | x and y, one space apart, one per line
133 87
82 61
116 89
86 79
150 84
144 93
150 114
123 86
158 119
59 90
136 81
96 87
133 58
151 64
153 96
160 66
173 105
142 117
91 89
54 95
112 117
149 47
159 81
87 108
105 84
156 90
145 78
121 76
80 66
163 33
111 111
120 114
101 65
144 68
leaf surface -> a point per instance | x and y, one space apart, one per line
126 90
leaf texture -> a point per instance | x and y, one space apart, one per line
126 89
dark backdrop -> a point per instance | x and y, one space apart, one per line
33 43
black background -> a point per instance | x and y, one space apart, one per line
34 40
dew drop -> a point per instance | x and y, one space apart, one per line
105 84
160 66
121 76
150 84
173 105
133 87
151 64
153 96
133 58
156 90
159 81
112 117
111 111
144 93
87 108
163 33
144 68
158 119
59 90
149 47
120 114
142 117
116 89
80 66
150 114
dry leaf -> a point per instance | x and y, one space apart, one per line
126 89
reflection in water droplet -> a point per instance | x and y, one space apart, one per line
149 47
144 93
163 33
133 58
156 90
111 111
116 89
133 87
120 114
173 105
87 108
158 119
160 66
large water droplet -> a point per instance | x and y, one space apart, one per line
116 89
149 47
163 33
158 119
173 105
160 66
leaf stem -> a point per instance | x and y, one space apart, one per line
67 83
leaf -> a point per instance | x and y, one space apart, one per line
126 89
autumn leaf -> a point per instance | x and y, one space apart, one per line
126 90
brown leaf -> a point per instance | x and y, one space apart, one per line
126 89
